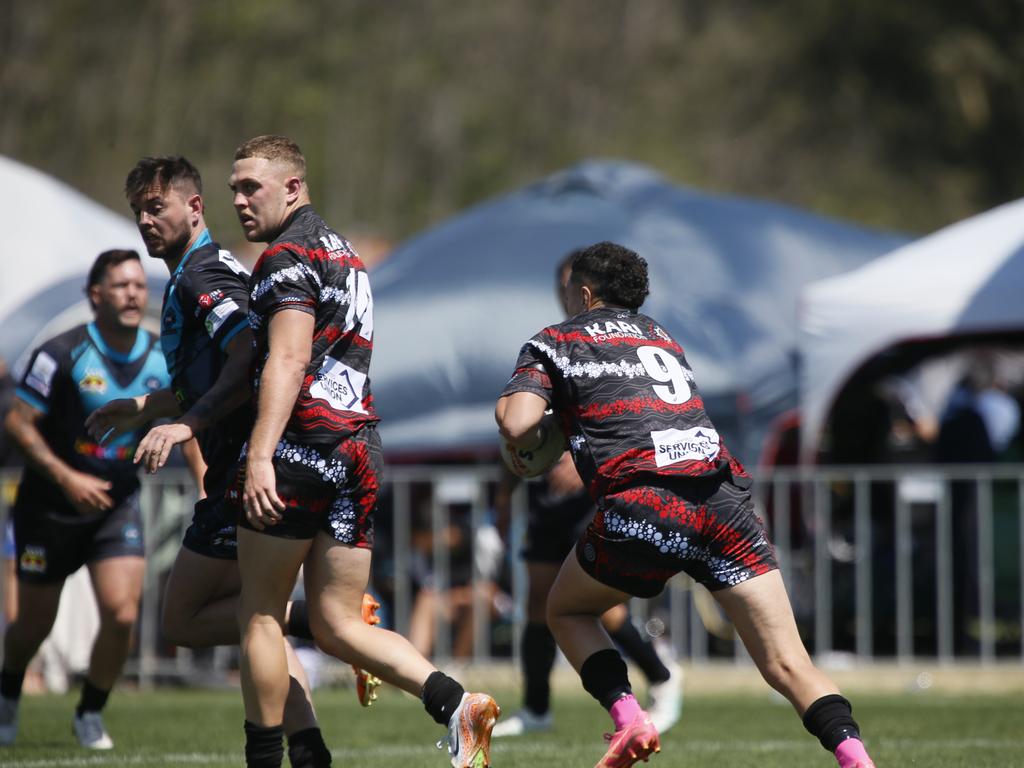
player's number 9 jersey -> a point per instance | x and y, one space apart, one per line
627 398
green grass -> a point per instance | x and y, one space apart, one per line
190 728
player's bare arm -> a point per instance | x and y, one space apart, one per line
126 414
195 463
519 416
230 390
87 493
291 346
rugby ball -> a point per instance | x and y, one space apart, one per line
539 459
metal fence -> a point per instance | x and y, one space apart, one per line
893 562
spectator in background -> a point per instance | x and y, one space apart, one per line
470 551
979 422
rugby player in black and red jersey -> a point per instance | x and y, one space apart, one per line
207 342
312 465
559 509
669 496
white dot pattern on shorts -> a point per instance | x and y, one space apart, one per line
674 543
331 470
342 518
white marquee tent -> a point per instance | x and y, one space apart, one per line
966 280
51 236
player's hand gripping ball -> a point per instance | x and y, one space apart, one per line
534 461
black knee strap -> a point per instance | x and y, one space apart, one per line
830 719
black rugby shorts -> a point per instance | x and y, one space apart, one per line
643 536
50 546
329 488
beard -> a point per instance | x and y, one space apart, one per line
172 249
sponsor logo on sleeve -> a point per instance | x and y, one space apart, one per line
674 445
218 315
339 385
207 300
40 377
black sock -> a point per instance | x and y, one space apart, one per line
830 719
93 699
298 621
641 650
10 684
264 747
538 659
605 677
306 749
441 696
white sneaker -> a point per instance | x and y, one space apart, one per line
90 731
665 700
522 722
8 720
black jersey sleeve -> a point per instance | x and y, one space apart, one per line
217 296
532 372
284 279
41 382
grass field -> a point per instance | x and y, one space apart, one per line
198 727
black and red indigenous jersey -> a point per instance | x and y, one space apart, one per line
626 397
312 269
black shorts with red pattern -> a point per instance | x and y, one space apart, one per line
643 536
329 488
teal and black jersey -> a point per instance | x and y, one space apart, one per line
206 301
205 306
69 377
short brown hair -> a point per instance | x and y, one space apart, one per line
275 148
162 172
104 263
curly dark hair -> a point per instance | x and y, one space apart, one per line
616 275
163 172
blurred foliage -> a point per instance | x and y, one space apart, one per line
905 115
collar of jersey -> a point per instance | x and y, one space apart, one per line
204 239
138 349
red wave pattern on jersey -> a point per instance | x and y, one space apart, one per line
315 413
313 254
599 411
623 469
330 334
